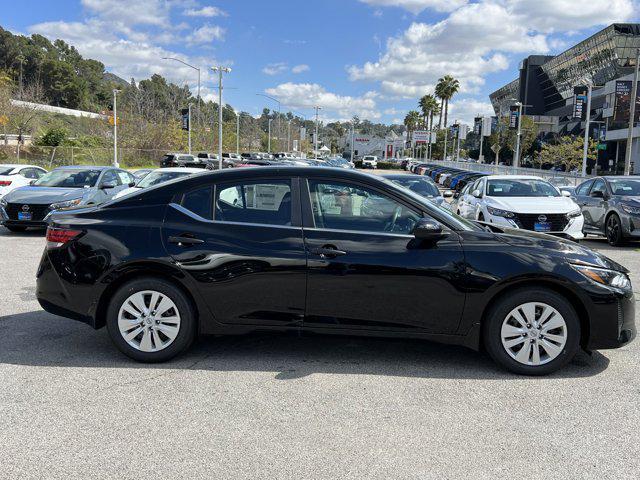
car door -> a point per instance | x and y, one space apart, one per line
365 269
596 204
125 180
107 182
474 203
247 254
581 197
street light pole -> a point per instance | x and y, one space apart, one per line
316 135
289 136
189 123
585 147
516 159
353 130
115 128
632 117
238 132
191 66
269 137
220 70
279 105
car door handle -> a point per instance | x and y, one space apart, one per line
185 241
327 252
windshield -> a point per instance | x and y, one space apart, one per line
521 188
68 179
625 186
419 185
155 178
5 170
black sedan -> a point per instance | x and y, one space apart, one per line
293 249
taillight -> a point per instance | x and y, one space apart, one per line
5 183
57 237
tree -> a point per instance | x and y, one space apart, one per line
504 138
567 151
411 121
429 106
446 88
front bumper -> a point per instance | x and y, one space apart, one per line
573 230
612 321
631 225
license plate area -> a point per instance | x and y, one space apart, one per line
542 227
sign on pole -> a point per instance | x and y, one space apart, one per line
514 117
185 118
464 130
421 136
487 125
580 102
622 107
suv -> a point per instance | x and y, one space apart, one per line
180 160
231 159
369 161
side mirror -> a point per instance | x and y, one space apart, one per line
132 184
108 185
447 194
31 182
427 229
477 193
565 193
597 194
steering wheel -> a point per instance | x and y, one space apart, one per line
391 226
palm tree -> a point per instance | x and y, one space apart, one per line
446 88
429 106
411 121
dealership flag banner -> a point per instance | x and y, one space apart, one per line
514 113
477 125
487 126
580 102
421 136
185 118
623 102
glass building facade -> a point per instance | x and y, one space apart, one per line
606 55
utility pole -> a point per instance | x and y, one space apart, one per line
189 123
480 156
289 137
238 132
115 128
632 117
220 70
458 149
316 135
585 148
352 139
446 135
516 158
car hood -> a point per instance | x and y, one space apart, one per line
635 200
533 204
43 195
569 250
126 191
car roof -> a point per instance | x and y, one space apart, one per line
394 176
513 177
85 167
178 169
618 177
18 165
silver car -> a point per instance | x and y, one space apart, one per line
61 188
611 207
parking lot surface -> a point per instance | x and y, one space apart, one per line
72 406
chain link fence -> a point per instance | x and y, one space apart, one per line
51 157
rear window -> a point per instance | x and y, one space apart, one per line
5 171
199 201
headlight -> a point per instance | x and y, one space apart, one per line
630 209
604 276
501 213
575 213
67 204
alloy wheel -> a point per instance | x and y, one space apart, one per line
613 229
534 333
149 321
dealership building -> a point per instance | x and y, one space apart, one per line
545 87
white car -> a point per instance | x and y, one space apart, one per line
369 161
13 176
519 201
159 175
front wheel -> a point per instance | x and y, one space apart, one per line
151 320
614 230
532 332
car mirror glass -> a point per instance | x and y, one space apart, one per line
108 185
476 193
565 193
427 229
447 194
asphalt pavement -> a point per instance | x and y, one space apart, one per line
265 406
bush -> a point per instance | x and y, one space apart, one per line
53 137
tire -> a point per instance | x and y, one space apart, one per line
15 228
481 217
613 230
555 346
163 341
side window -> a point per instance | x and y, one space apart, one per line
110 177
125 178
199 202
39 172
262 202
583 188
598 186
344 206
29 173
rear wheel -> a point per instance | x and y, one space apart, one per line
532 332
613 230
481 217
15 228
150 320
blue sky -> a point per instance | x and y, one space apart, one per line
371 58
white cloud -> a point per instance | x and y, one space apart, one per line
417 6
127 12
466 109
300 68
307 95
554 15
205 34
207 11
275 68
